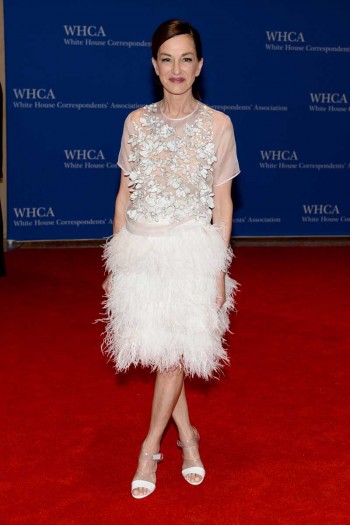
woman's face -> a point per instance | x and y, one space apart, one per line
177 64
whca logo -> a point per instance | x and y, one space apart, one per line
32 213
34 94
278 155
84 154
284 36
77 30
321 209
329 98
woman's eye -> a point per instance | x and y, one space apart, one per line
187 59
165 59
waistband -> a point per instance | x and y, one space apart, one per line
155 230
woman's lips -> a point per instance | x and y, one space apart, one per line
176 80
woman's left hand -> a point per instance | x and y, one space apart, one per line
220 290
106 285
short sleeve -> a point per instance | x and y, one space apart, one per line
125 149
226 166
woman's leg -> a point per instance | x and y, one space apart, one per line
182 420
181 416
168 387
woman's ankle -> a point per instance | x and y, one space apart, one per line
150 445
186 432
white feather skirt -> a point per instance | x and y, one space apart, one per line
161 308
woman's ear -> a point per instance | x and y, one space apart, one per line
199 68
155 65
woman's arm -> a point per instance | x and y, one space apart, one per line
121 204
223 209
222 215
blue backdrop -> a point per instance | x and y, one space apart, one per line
74 70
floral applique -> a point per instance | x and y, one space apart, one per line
170 176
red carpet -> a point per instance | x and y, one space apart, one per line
275 429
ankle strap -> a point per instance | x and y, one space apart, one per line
186 443
151 457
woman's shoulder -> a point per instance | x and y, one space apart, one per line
219 117
221 121
138 113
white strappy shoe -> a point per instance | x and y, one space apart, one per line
190 466
146 480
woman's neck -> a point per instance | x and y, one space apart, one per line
178 106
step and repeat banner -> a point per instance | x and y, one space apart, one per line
74 70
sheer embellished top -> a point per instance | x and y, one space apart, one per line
174 165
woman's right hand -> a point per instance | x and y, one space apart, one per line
106 285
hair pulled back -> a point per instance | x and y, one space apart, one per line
175 27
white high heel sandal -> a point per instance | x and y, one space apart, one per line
193 468
145 480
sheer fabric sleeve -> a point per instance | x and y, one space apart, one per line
226 166
125 149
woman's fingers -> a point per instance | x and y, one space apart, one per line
220 302
220 291
106 284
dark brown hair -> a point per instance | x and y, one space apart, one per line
175 27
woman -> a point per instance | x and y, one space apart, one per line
168 295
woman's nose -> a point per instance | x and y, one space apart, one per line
176 67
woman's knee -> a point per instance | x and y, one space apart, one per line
171 373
